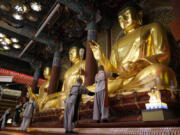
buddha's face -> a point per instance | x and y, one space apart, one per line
73 54
47 72
128 18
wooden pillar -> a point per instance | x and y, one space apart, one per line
175 24
54 73
108 46
35 79
90 67
176 7
23 98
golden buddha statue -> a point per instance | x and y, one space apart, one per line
43 100
71 75
56 100
140 58
42 97
70 78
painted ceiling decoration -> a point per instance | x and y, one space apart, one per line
25 14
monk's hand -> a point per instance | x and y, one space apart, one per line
91 93
115 75
96 49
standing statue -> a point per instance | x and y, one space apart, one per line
140 58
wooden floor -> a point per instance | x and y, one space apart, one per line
6 132
96 131
21 133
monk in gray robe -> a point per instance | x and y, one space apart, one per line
101 110
72 105
16 115
30 108
4 118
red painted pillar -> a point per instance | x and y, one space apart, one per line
35 79
90 67
54 73
175 24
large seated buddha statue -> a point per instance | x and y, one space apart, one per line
71 75
140 58
56 100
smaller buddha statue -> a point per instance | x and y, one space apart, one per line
42 97
43 100
155 100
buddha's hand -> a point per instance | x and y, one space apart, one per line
150 59
96 49
31 94
135 67
141 63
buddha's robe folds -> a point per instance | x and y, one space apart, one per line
71 76
56 100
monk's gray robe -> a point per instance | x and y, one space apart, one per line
100 111
4 118
72 104
30 108
16 115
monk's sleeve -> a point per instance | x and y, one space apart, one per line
86 91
